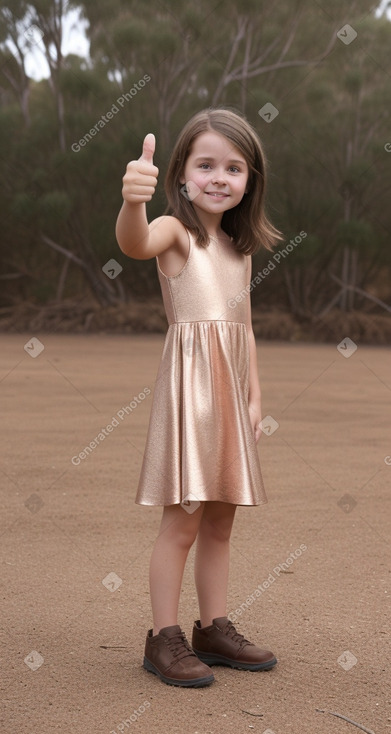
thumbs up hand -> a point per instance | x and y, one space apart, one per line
140 179
149 145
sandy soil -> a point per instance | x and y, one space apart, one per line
72 646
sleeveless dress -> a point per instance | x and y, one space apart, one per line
200 443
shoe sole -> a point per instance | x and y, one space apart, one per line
191 683
210 659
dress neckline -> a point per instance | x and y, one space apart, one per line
220 240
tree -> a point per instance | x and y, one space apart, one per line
14 42
65 140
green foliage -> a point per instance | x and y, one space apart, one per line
329 172
355 234
55 207
24 207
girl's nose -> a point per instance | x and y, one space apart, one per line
218 178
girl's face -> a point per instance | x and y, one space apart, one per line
215 174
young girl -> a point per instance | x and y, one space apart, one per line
200 458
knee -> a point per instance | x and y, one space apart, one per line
216 530
179 528
181 537
185 539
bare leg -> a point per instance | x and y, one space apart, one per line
177 533
211 566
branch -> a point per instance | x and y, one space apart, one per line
253 64
273 67
100 287
361 292
10 78
260 58
12 276
65 252
225 78
329 305
371 131
345 718
284 64
291 36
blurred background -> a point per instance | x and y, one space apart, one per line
81 83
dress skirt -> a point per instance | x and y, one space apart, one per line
200 443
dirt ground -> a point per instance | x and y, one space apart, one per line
75 546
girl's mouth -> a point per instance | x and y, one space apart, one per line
216 194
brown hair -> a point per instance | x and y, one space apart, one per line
247 222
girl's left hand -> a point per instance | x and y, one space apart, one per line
254 409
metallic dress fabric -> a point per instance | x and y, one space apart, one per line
200 444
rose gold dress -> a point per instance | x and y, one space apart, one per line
200 444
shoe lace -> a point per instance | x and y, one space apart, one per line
179 646
234 635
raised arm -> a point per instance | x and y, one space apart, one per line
137 238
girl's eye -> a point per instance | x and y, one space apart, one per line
234 169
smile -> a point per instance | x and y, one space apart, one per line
216 194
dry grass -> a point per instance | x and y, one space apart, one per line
138 317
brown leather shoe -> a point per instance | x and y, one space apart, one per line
169 656
221 644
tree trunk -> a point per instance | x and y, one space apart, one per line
61 281
353 279
51 24
344 278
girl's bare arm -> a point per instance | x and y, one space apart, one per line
254 395
137 238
